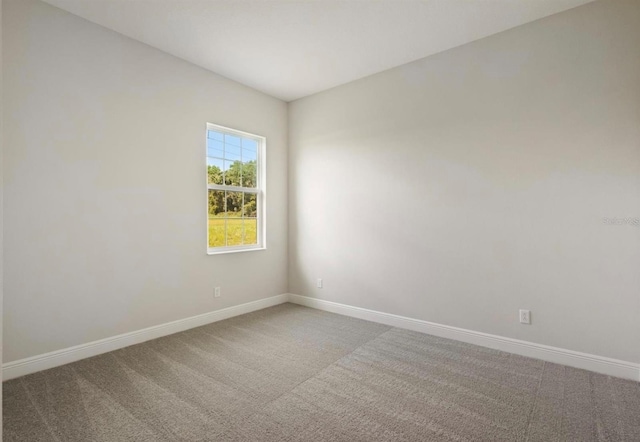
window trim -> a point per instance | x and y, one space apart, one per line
259 190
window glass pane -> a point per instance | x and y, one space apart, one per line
212 134
249 174
232 140
233 173
225 169
214 170
216 221
249 155
215 148
232 152
235 231
250 208
216 203
217 227
234 204
250 231
249 144
249 150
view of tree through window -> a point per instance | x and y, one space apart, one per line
232 169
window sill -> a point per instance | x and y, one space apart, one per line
233 250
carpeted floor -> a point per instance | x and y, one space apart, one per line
291 373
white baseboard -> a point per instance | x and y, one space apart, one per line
599 364
45 361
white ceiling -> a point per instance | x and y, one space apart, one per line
290 49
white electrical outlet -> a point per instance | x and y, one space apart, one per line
216 292
525 317
319 283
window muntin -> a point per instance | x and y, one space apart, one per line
235 190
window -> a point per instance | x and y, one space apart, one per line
235 188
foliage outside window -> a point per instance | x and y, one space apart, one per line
235 190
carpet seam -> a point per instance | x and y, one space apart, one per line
286 392
325 368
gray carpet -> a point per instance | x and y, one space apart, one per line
290 373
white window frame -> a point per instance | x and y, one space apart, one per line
259 190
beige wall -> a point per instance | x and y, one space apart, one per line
462 187
104 181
